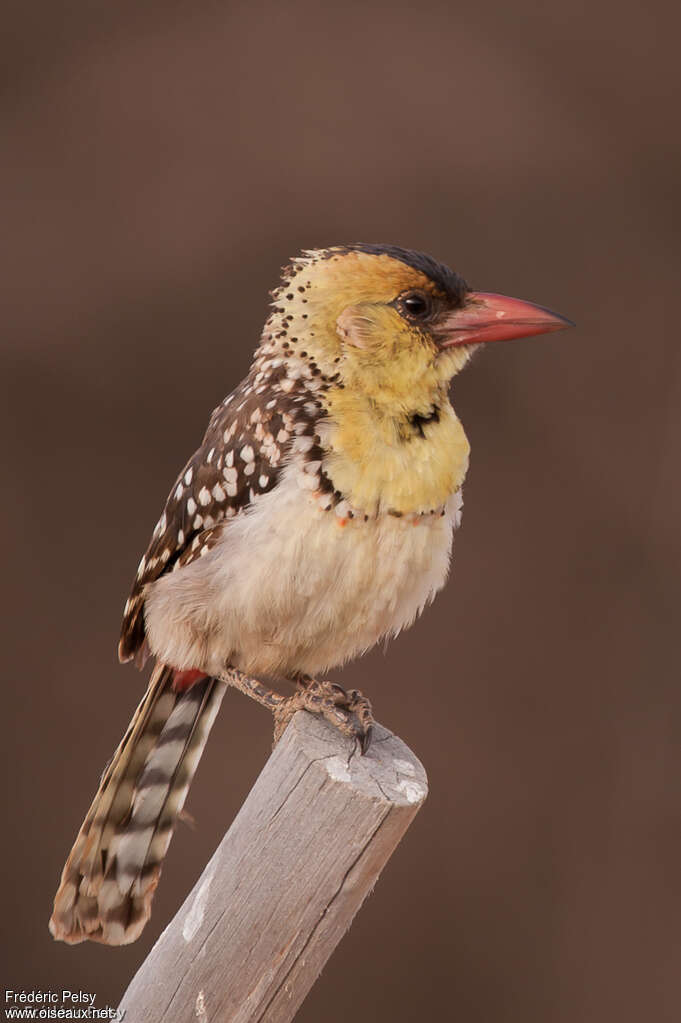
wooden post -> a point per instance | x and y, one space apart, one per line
284 884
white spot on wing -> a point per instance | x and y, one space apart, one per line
303 443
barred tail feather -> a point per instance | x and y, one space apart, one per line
110 876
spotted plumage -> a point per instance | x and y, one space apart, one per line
316 517
251 433
247 442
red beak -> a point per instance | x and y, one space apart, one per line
489 317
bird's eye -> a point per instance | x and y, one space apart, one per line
416 305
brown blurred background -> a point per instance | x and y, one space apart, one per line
160 162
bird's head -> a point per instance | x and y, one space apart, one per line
376 333
390 323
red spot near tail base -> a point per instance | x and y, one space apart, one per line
186 679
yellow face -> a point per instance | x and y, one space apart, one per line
369 321
352 307
380 331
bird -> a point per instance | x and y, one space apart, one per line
315 519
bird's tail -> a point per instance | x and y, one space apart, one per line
112 871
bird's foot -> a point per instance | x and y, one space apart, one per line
347 710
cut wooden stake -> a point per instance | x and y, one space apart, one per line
284 884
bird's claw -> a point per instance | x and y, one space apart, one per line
347 710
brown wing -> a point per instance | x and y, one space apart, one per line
241 456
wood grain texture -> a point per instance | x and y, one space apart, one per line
284 884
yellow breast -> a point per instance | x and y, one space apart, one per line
382 463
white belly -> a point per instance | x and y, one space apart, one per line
289 588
